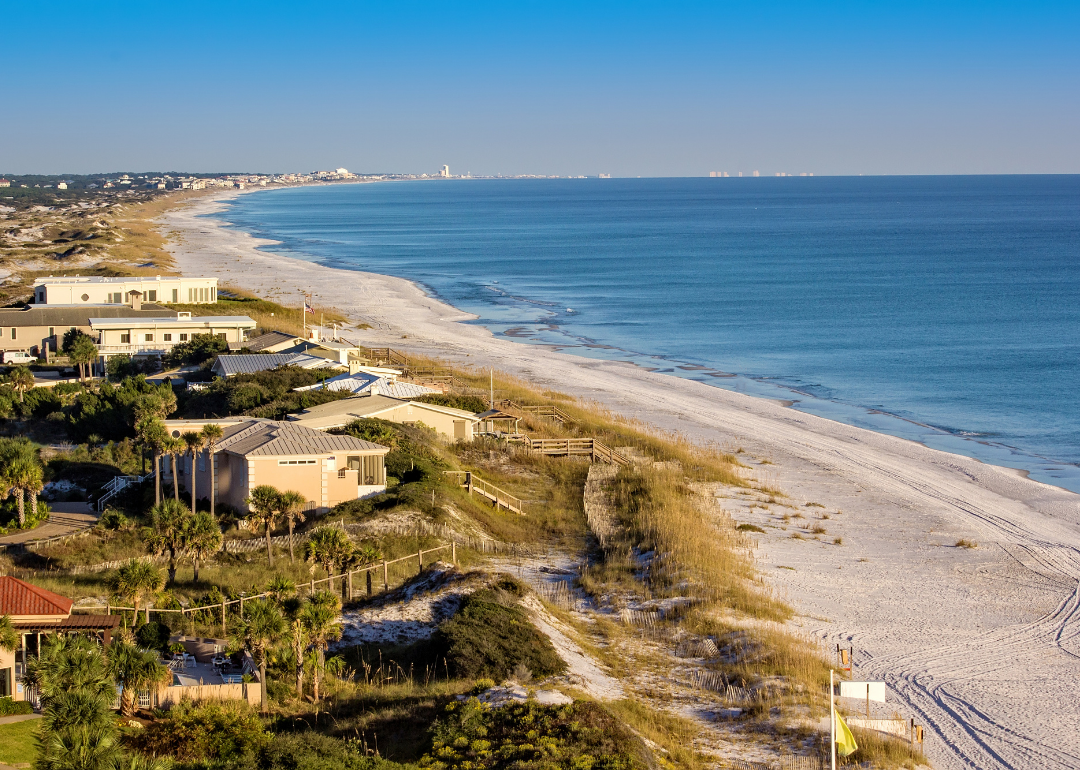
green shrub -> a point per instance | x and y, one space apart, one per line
310 751
229 730
489 638
579 736
10 707
202 347
154 635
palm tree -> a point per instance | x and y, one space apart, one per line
280 590
22 379
213 434
170 522
152 435
83 352
261 628
134 580
77 728
320 618
328 546
298 639
134 669
263 505
291 506
25 474
9 637
204 539
174 447
194 442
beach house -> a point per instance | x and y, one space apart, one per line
452 424
158 334
325 469
39 330
36 612
101 290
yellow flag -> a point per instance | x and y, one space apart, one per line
845 741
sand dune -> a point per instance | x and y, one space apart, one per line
980 645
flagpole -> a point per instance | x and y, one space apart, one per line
832 724
303 312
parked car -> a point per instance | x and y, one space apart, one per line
18 357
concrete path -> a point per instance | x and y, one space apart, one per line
65 519
18 718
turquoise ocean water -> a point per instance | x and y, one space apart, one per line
941 309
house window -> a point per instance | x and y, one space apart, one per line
371 470
297 462
174 293
213 294
202 463
13 332
52 333
183 337
220 335
149 337
341 473
166 337
190 294
125 339
151 296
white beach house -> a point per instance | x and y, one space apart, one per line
99 290
156 336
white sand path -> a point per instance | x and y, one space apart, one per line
980 646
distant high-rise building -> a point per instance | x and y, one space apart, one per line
756 174
445 172
740 173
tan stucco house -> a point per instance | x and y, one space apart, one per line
325 469
452 424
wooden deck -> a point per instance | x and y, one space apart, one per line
549 411
476 485
571 447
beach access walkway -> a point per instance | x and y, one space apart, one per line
64 519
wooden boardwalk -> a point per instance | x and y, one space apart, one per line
476 485
549 411
595 450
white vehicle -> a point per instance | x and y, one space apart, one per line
18 357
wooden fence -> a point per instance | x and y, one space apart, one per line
549 411
476 485
345 581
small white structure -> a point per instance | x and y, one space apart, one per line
874 691
361 383
155 336
99 290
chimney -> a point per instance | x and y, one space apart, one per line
374 389
136 299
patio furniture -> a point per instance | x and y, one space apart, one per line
189 661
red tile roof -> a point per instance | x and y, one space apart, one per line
20 598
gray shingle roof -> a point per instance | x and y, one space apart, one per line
263 341
45 315
280 439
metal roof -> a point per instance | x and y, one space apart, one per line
282 439
362 382
203 320
249 363
18 597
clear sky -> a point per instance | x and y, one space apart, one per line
650 89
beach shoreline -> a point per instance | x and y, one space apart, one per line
935 621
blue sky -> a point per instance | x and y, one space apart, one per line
650 89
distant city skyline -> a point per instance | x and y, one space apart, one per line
554 89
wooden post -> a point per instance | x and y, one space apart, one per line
223 629
867 700
147 614
453 552
420 558
385 578
108 607
350 586
312 586
241 607
468 481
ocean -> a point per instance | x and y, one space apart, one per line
941 309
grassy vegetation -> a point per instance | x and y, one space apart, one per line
268 315
882 751
17 742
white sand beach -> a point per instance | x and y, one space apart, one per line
982 646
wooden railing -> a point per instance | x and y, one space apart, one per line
346 588
540 410
499 497
566 447
388 355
